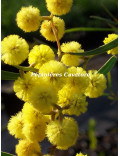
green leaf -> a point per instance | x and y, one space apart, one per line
99 50
109 13
5 75
104 20
108 65
88 29
6 154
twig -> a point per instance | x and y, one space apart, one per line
52 150
57 40
45 18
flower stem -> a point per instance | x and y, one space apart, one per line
109 80
52 150
87 59
45 18
26 68
57 40
21 73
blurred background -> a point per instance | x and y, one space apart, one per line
100 121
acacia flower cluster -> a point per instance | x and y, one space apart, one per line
48 99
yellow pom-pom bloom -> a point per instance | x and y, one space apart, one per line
15 126
73 47
27 148
97 84
59 7
108 39
54 73
47 32
14 50
43 97
28 19
40 55
35 131
76 102
80 154
24 85
77 79
31 115
62 134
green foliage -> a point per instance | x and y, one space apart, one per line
6 154
87 29
108 65
99 50
5 75
104 20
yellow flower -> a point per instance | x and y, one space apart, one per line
108 39
97 84
35 131
15 126
59 7
27 148
14 50
43 97
71 60
28 19
76 102
63 134
47 32
80 154
54 73
31 115
23 85
77 79
40 55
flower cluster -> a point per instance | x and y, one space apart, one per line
48 99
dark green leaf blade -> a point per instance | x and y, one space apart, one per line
104 20
99 50
87 29
5 75
108 65
6 154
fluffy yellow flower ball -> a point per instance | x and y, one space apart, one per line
80 154
108 39
32 115
27 148
40 55
77 79
76 102
71 60
59 7
23 85
35 131
14 50
47 32
54 73
15 126
97 84
62 134
28 19
43 97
